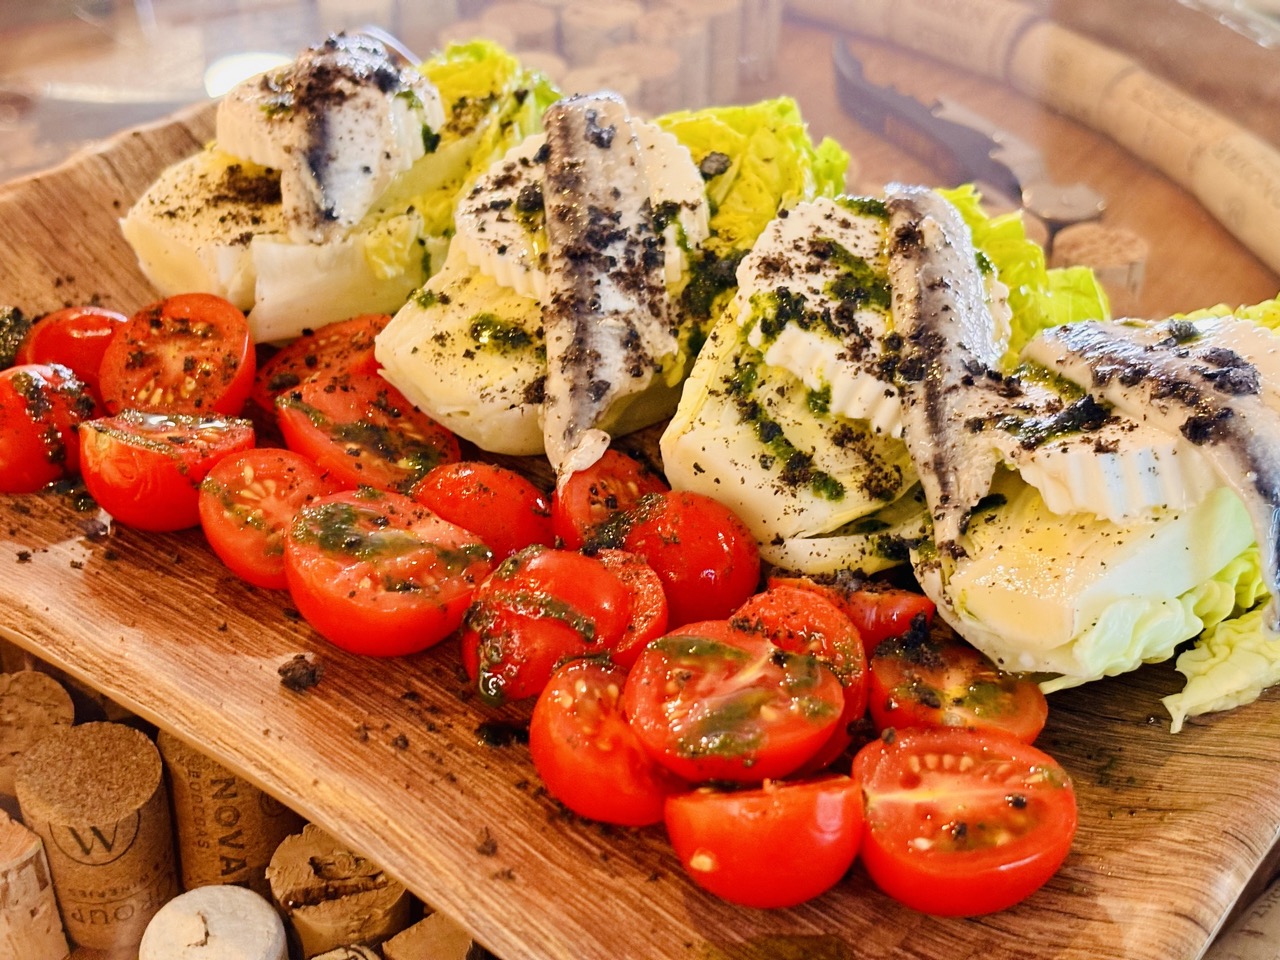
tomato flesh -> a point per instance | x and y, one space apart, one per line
40 408
364 432
590 498
587 754
145 469
710 702
190 353
377 574
774 846
248 500
344 346
76 337
504 509
962 823
878 610
925 680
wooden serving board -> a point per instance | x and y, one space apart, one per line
399 760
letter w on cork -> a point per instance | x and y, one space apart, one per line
964 146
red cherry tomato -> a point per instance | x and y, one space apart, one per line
541 607
363 431
376 573
960 822
775 846
248 501
648 604
40 405
921 680
707 558
710 702
802 621
191 353
592 497
878 610
145 469
344 346
504 509
75 337
587 755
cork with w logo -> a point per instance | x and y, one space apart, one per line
95 794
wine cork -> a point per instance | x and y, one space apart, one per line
594 79
227 828
14 658
867 17
333 897
215 923
1238 181
689 38
30 927
463 31
761 25
353 952
434 937
1254 934
32 704
533 24
1068 72
722 21
552 65
95 794
588 26
1117 256
656 69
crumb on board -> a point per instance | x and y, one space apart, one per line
300 672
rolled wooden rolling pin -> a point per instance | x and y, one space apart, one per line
95 794
227 828
333 897
32 704
30 927
215 923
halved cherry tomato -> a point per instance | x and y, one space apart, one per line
248 500
504 509
648 619
803 621
592 497
922 680
587 755
190 353
543 606
145 469
775 846
877 609
75 337
376 573
363 431
707 558
961 822
344 346
40 406
710 702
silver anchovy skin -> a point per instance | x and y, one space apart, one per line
606 317
1193 385
948 349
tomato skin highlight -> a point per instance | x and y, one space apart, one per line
189 353
362 431
377 574
590 498
962 823
710 702
588 756
923 680
248 500
707 558
504 509
41 406
774 846
76 337
145 469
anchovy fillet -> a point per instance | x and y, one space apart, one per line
948 348
606 316
1172 376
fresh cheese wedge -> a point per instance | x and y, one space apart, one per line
1081 597
340 123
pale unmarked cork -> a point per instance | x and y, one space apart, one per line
215 923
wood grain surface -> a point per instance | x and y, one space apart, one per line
399 760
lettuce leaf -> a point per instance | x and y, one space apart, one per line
1265 314
1039 297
